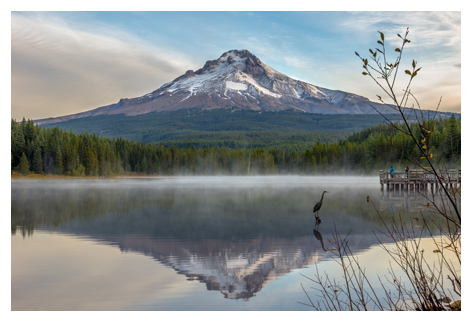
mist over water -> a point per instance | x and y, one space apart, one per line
250 204
236 237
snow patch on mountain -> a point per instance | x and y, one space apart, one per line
235 86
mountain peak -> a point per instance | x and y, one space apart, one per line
236 53
233 58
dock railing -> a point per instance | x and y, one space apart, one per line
419 178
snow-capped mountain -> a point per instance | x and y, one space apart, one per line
238 78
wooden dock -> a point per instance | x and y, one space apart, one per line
419 179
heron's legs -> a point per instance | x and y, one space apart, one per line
317 219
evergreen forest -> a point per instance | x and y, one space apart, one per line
229 127
43 150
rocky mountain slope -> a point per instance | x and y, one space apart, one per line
237 79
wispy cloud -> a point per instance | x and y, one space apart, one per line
428 28
70 70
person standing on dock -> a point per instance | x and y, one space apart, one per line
391 170
407 171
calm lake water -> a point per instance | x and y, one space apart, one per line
190 243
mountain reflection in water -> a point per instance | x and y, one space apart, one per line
233 235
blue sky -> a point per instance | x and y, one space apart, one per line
69 62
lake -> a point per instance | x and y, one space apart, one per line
190 243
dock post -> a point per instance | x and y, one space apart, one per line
458 178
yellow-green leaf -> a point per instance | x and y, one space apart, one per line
332 249
364 73
329 240
408 72
336 290
382 35
428 204
397 50
436 251
422 158
449 246
368 198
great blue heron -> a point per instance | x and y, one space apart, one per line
318 206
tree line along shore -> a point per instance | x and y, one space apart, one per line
53 151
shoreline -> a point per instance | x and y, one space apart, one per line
16 175
131 175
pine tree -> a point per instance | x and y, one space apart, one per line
58 162
18 145
144 164
24 167
30 131
453 139
37 160
92 162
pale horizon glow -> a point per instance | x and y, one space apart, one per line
69 62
